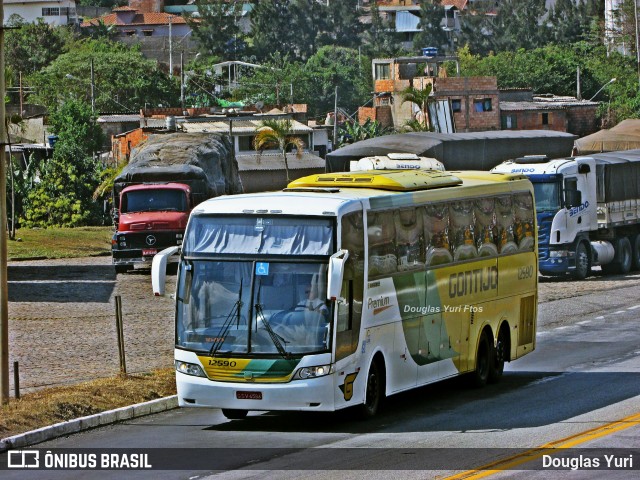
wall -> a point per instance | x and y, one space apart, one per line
468 90
30 12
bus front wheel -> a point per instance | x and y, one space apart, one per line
374 392
234 413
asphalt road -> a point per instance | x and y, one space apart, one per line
583 376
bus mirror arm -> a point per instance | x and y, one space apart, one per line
336 272
159 269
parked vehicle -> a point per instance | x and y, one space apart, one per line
156 191
588 211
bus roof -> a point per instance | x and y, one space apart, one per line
306 197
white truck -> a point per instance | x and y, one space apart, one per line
588 211
395 161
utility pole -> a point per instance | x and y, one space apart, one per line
578 92
335 121
635 14
93 90
4 292
170 48
182 80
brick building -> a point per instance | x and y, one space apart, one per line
473 101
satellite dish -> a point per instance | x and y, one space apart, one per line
259 105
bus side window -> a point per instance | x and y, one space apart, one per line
350 311
485 226
523 209
505 223
409 239
381 233
462 233
436 234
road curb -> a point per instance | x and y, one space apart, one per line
91 421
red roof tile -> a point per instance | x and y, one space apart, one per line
138 19
459 4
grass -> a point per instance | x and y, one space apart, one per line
58 404
60 242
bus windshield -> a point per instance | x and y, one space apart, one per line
259 235
547 195
253 307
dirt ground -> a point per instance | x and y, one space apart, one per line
62 326
62 322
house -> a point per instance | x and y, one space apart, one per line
473 101
547 112
53 12
133 22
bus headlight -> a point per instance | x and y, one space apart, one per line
189 369
313 372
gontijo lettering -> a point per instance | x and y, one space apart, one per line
473 281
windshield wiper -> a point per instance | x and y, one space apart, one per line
233 313
275 338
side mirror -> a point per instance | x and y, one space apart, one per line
336 273
159 269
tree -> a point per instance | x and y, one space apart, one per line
276 27
379 39
351 132
64 195
124 79
278 134
30 47
216 28
421 99
342 24
431 32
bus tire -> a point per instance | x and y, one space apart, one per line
623 258
374 392
234 413
635 248
583 262
480 375
500 355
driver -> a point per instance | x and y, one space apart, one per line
312 302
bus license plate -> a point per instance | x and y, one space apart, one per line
147 252
249 395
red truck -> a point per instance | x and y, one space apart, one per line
155 193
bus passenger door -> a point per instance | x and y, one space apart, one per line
429 344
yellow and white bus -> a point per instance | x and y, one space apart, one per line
348 287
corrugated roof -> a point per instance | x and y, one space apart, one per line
541 103
238 127
273 161
118 118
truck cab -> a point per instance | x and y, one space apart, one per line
148 218
566 206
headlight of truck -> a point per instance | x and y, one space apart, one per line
558 253
313 372
189 369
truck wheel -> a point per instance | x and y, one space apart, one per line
583 262
623 257
635 248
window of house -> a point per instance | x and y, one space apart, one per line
51 12
245 143
545 119
147 33
383 71
129 33
456 105
482 105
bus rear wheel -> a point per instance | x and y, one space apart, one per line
480 375
498 358
374 392
234 413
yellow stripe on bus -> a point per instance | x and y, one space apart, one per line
557 446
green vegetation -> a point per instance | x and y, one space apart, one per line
60 243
